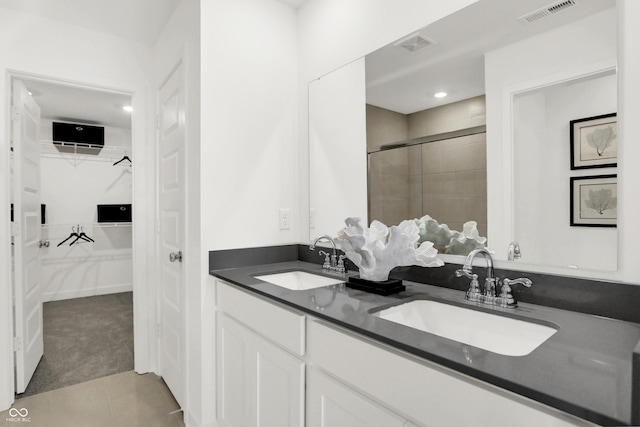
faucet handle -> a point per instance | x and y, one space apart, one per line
519 281
463 272
341 268
506 298
327 259
473 293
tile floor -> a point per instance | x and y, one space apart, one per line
121 400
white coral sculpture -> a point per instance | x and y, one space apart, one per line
378 249
450 241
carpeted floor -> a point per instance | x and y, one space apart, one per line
84 339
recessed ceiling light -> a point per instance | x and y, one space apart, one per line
128 108
440 94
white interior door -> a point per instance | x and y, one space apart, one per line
172 230
28 342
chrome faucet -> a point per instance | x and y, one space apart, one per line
488 294
513 252
332 262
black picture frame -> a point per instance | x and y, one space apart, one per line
594 142
594 201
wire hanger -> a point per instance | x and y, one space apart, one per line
124 158
74 233
82 236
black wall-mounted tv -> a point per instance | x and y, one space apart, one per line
78 134
114 213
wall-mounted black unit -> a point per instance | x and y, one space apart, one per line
72 133
114 213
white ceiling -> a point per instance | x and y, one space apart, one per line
80 105
136 20
406 82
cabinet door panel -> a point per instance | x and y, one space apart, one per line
259 384
279 387
332 404
234 353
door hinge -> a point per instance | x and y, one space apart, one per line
157 122
17 344
14 229
15 113
158 330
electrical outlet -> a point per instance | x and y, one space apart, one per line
285 218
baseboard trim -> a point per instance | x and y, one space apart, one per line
81 293
190 421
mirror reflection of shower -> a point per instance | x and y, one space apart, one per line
442 175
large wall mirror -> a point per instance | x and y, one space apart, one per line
495 150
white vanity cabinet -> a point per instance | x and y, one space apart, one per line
277 367
260 381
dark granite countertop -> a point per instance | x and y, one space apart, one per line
585 369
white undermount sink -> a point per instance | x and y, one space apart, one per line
492 332
299 280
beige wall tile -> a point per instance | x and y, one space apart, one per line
447 118
389 212
439 184
385 126
414 155
471 183
390 162
388 187
464 157
432 158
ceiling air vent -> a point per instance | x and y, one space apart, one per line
413 43
548 10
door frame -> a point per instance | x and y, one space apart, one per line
144 240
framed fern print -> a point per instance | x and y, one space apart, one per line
594 142
594 201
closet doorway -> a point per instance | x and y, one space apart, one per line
79 172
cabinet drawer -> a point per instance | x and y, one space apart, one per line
280 325
424 392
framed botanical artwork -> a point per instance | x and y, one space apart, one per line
594 201
594 142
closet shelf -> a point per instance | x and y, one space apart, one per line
89 224
79 152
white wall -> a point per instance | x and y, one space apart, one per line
567 52
38 46
629 134
72 186
249 116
